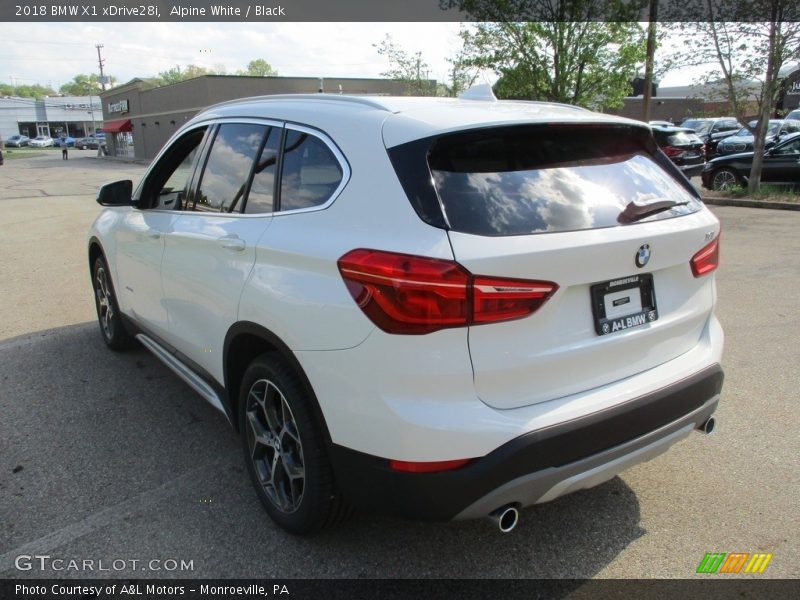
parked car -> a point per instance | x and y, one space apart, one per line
438 308
88 142
683 147
781 165
795 115
661 123
18 141
713 130
65 141
41 141
743 140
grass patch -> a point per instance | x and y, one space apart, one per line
766 193
25 152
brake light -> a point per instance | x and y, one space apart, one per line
408 294
427 467
707 259
672 151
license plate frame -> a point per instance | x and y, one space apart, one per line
609 300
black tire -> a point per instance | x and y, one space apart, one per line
724 179
109 317
284 449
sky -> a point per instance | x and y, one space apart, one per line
52 53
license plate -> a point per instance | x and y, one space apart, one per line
624 303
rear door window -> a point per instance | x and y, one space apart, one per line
523 180
227 171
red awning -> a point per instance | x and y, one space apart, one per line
117 126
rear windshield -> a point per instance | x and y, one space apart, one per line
522 180
682 138
698 125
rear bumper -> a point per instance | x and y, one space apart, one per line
538 466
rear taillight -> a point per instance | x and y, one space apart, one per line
408 294
707 259
672 151
496 299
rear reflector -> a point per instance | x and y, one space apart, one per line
427 467
408 294
707 259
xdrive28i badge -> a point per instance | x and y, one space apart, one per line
642 255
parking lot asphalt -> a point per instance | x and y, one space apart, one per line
109 457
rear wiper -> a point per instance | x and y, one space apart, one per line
635 212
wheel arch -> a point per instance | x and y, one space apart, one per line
245 341
96 251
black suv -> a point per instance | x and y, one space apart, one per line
712 130
683 147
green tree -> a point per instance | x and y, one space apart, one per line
178 73
410 69
462 74
27 91
586 63
259 68
84 85
743 61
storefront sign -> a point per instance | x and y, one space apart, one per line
118 107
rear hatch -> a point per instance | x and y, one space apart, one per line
683 147
595 210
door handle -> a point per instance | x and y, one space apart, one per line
232 243
153 234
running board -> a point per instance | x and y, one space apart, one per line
181 370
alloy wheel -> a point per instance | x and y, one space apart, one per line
724 180
275 447
104 305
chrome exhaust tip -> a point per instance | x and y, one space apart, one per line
505 517
708 426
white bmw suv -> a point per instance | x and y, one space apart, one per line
437 308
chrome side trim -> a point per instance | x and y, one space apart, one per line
184 372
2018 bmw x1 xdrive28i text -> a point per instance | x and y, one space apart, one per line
439 308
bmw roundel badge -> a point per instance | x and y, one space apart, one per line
643 255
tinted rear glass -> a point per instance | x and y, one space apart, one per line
514 181
682 138
698 125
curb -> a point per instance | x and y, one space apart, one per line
749 203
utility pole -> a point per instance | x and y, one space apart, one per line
651 50
100 61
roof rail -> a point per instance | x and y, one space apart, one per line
360 100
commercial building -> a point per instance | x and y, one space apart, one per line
140 118
54 116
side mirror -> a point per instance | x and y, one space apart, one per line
117 193
770 151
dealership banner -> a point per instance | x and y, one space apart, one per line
391 10
396 589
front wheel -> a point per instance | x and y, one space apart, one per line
108 315
284 449
724 180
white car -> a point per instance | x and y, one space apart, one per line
437 308
41 141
